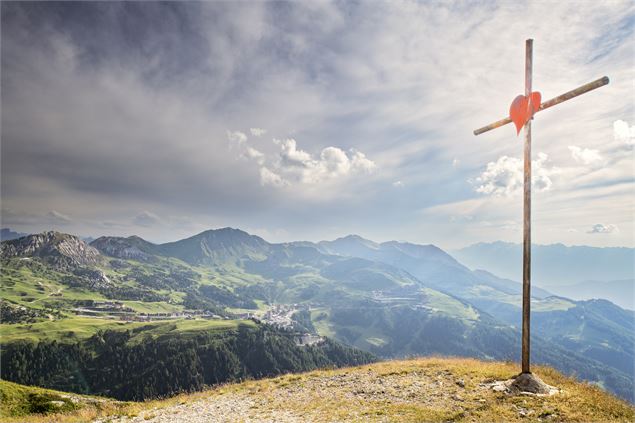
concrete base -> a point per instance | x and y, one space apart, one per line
523 384
530 383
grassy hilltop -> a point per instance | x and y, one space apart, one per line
432 389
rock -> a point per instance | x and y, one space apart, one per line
530 383
58 249
461 383
57 403
499 387
523 384
132 247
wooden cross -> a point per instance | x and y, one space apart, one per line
531 109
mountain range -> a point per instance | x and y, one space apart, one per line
390 299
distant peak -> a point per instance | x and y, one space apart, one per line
225 230
354 238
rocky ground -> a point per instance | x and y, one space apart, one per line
417 390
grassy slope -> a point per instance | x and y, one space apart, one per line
18 403
84 327
413 390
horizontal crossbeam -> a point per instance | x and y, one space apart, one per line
550 103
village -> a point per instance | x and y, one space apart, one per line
117 310
279 315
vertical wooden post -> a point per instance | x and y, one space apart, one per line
527 216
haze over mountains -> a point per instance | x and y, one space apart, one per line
391 299
579 272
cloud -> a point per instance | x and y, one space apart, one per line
398 184
257 132
291 156
623 132
504 177
41 221
291 165
146 219
252 153
332 163
58 218
585 156
118 106
237 137
267 177
601 228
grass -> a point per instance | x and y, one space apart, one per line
429 386
185 327
19 403
400 391
262 309
537 304
153 307
73 328
442 303
23 286
69 329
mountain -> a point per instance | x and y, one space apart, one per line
429 264
431 390
390 299
621 292
552 265
54 247
7 234
217 246
132 247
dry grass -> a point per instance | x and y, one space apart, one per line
410 390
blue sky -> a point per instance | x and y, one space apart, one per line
313 120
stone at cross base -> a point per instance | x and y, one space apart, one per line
523 384
530 383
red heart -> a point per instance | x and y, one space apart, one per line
523 109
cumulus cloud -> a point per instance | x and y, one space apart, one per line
504 177
58 218
252 153
398 184
237 137
146 219
585 156
624 132
333 162
267 177
601 228
290 154
292 165
257 132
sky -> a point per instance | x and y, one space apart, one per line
314 120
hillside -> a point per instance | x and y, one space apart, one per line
433 389
159 360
